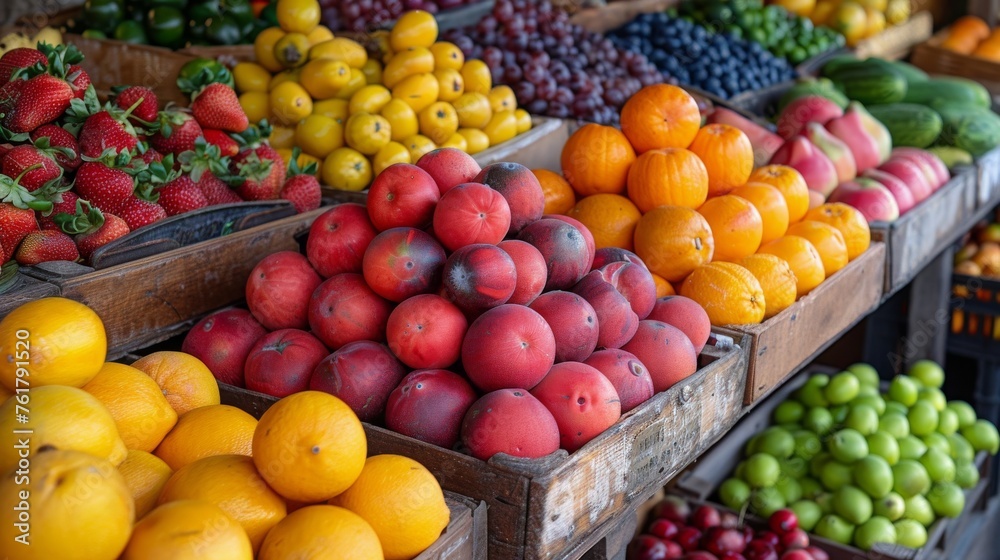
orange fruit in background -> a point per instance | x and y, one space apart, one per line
962 44
970 26
673 241
798 7
596 159
141 412
145 475
402 501
211 430
232 483
736 225
559 195
730 294
790 183
185 381
777 281
827 240
611 218
322 533
671 176
802 257
771 205
850 20
663 288
309 446
660 116
188 530
851 223
727 155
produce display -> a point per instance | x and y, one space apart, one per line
855 19
367 15
176 24
354 115
678 530
532 318
971 35
859 464
785 34
719 63
556 68
980 254
18 39
150 444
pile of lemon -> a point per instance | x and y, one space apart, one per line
356 114
102 461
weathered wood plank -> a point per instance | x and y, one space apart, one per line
23 290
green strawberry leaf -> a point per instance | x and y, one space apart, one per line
13 193
253 136
8 275
87 219
7 135
294 168
194 84
80 110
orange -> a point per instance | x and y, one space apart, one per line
80 508
596 159
322 533
970 26
791 184
5 393
140 410
62 341
232 483
610 217
663 288
851 223
309 446
145 475
798 7
660 116
827 240
402 501
559 196
211 430
727 154
802 257
185 381
188 530
673 241
673 176
771 205
728 292
777 281
736 227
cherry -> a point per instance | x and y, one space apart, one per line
647 547
783 521
689 538
817 553
795 539
705 517
664 529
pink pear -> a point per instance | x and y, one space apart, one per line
811 108
926 160
896 186
835 149
764 142
850 130
911 174
873 200
875 129
807 159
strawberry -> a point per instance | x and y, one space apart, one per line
181 195
261 167
10 93
18 58
217 191
301 188
79 80
91 228
45 246
216 106
59 137
65 204
42 99
176 132
15 224
35 162
104 131
150 155
227 145
140 212
148 107
106 187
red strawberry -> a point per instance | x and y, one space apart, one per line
18 58
107 188
151 155
140 212
217 106
43 168
259 164
177 133
15 224
45 246
181 195
216 190
66 205
59 137
41 100
10 93
224 141
112 228
78 79
104 131
147 106
301 187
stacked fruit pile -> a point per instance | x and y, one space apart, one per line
150 444
74 167
521 317
783 33
704 533
718 63
698 214
366 15
174 24
556 68
354 116
971 35
19 39
855 19
858 466
980 255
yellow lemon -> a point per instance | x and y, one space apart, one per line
438 122
137 404
319 135
263 48
347 169
282 77
292 50
188 530
322 533
282 137
418 91
323 78
473 110
477 76
256 104
476 140
367 133
451 86
502 127
290 103
369 99
372 71
415 28
185 381
447 56
502 99
403 64
402 119
206 432
523 120
145 475
391 153
336 109
356 82
250 76
319 34
456 141
298 16
418 145
850 20
341 48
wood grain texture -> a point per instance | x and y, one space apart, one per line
23 290
783 343
897 41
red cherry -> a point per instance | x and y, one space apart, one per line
647 547
663 528
817 553
770 538
783 521
795 539
705 517
689 538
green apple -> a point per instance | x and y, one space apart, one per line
891 506
910 533
875 401
947 422
808 512
866 374
919 510
734 493
875 530
966 475
911 447
825 502
966 414
836 475
910 478
776 442
807 444
843 387
818 421
983 436
788 411
762 470
811 393
940 467
936 440
835 528
863 419
790 489
904 390
894 424
851 503
928 373
766 501
794 467
960 449
873 474
810 487
947 499
933 396
885 446
898 408
848 446
740 470
839 413
923 418
817 463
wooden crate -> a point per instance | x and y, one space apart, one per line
988 179
562 505
701 480
602 19
930 57
465 536
784 343
897 41
22 290
920 235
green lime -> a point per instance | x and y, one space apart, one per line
923 418
761 470
852 504
848 446
904 390
740 470
910 478
933 396
734 493
940 467
883 445
911 447
866 374
790 489
776 442
910 533
817 463
818 420
966 414
896 408
875 401
810 487
960 449
836 475
835 528
947 422
873 474
807 444
794 467
894 424
983 436
842 388
891 506
811 394
789 411
947 499
825 502
966 474
928 373
875 530
766 501
939 441
863 419
808 514
919 509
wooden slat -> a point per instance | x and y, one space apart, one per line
23 290
895 42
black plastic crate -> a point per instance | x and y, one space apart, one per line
975 317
